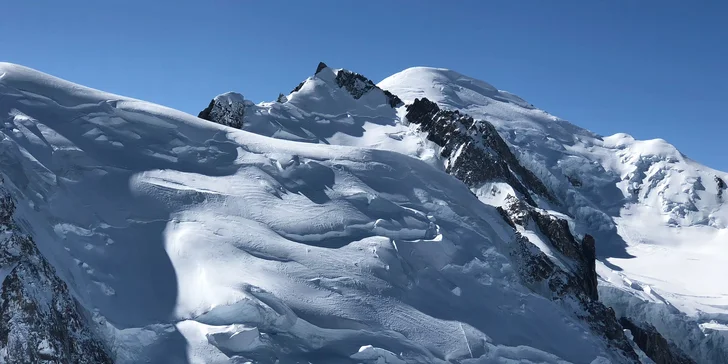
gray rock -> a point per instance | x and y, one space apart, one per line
655 345
226 109
40 322
358 85
475 151
721 186
583 253
577 284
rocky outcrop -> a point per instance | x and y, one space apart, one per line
394 100
320 67
298 88
573 281
653 344
701 344
226 109
582 254
40 322
721 186
474 151
358 85
281 98
546 278
589 254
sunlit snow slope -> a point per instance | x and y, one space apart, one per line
189 241
660 218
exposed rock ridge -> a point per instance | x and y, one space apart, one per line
568 287
721 186
474 151
40 322
356 84
226 109
583 253
550 281
655 345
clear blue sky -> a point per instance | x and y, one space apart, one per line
648 68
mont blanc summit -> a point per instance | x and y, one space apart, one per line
427 218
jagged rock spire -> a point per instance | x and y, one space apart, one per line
320 67
226 109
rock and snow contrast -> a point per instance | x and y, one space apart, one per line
430 218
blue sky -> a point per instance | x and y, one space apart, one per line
648 68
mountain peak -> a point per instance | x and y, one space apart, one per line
356 84
320 67
226 109
446 87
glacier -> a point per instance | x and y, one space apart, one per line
328 229
659 218
189 241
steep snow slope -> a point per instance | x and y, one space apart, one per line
321 111
611 171
330 108
190 241
649 207
660 218
39 319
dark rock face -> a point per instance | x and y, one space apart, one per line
226 109
557 230
474 150
320 67
358 85
655 345
549 280
281 98
298 88
205 114
721 186
40 322
589 251
545 277
394 100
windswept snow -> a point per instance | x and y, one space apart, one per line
649 206
659 217
322 112
189 241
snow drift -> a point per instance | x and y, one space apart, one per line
188 241
658 218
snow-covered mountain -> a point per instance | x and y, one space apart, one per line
348 222
659 218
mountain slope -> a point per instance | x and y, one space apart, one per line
658 218
189 241
647 190
40 319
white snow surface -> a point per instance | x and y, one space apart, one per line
193 242
657 215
